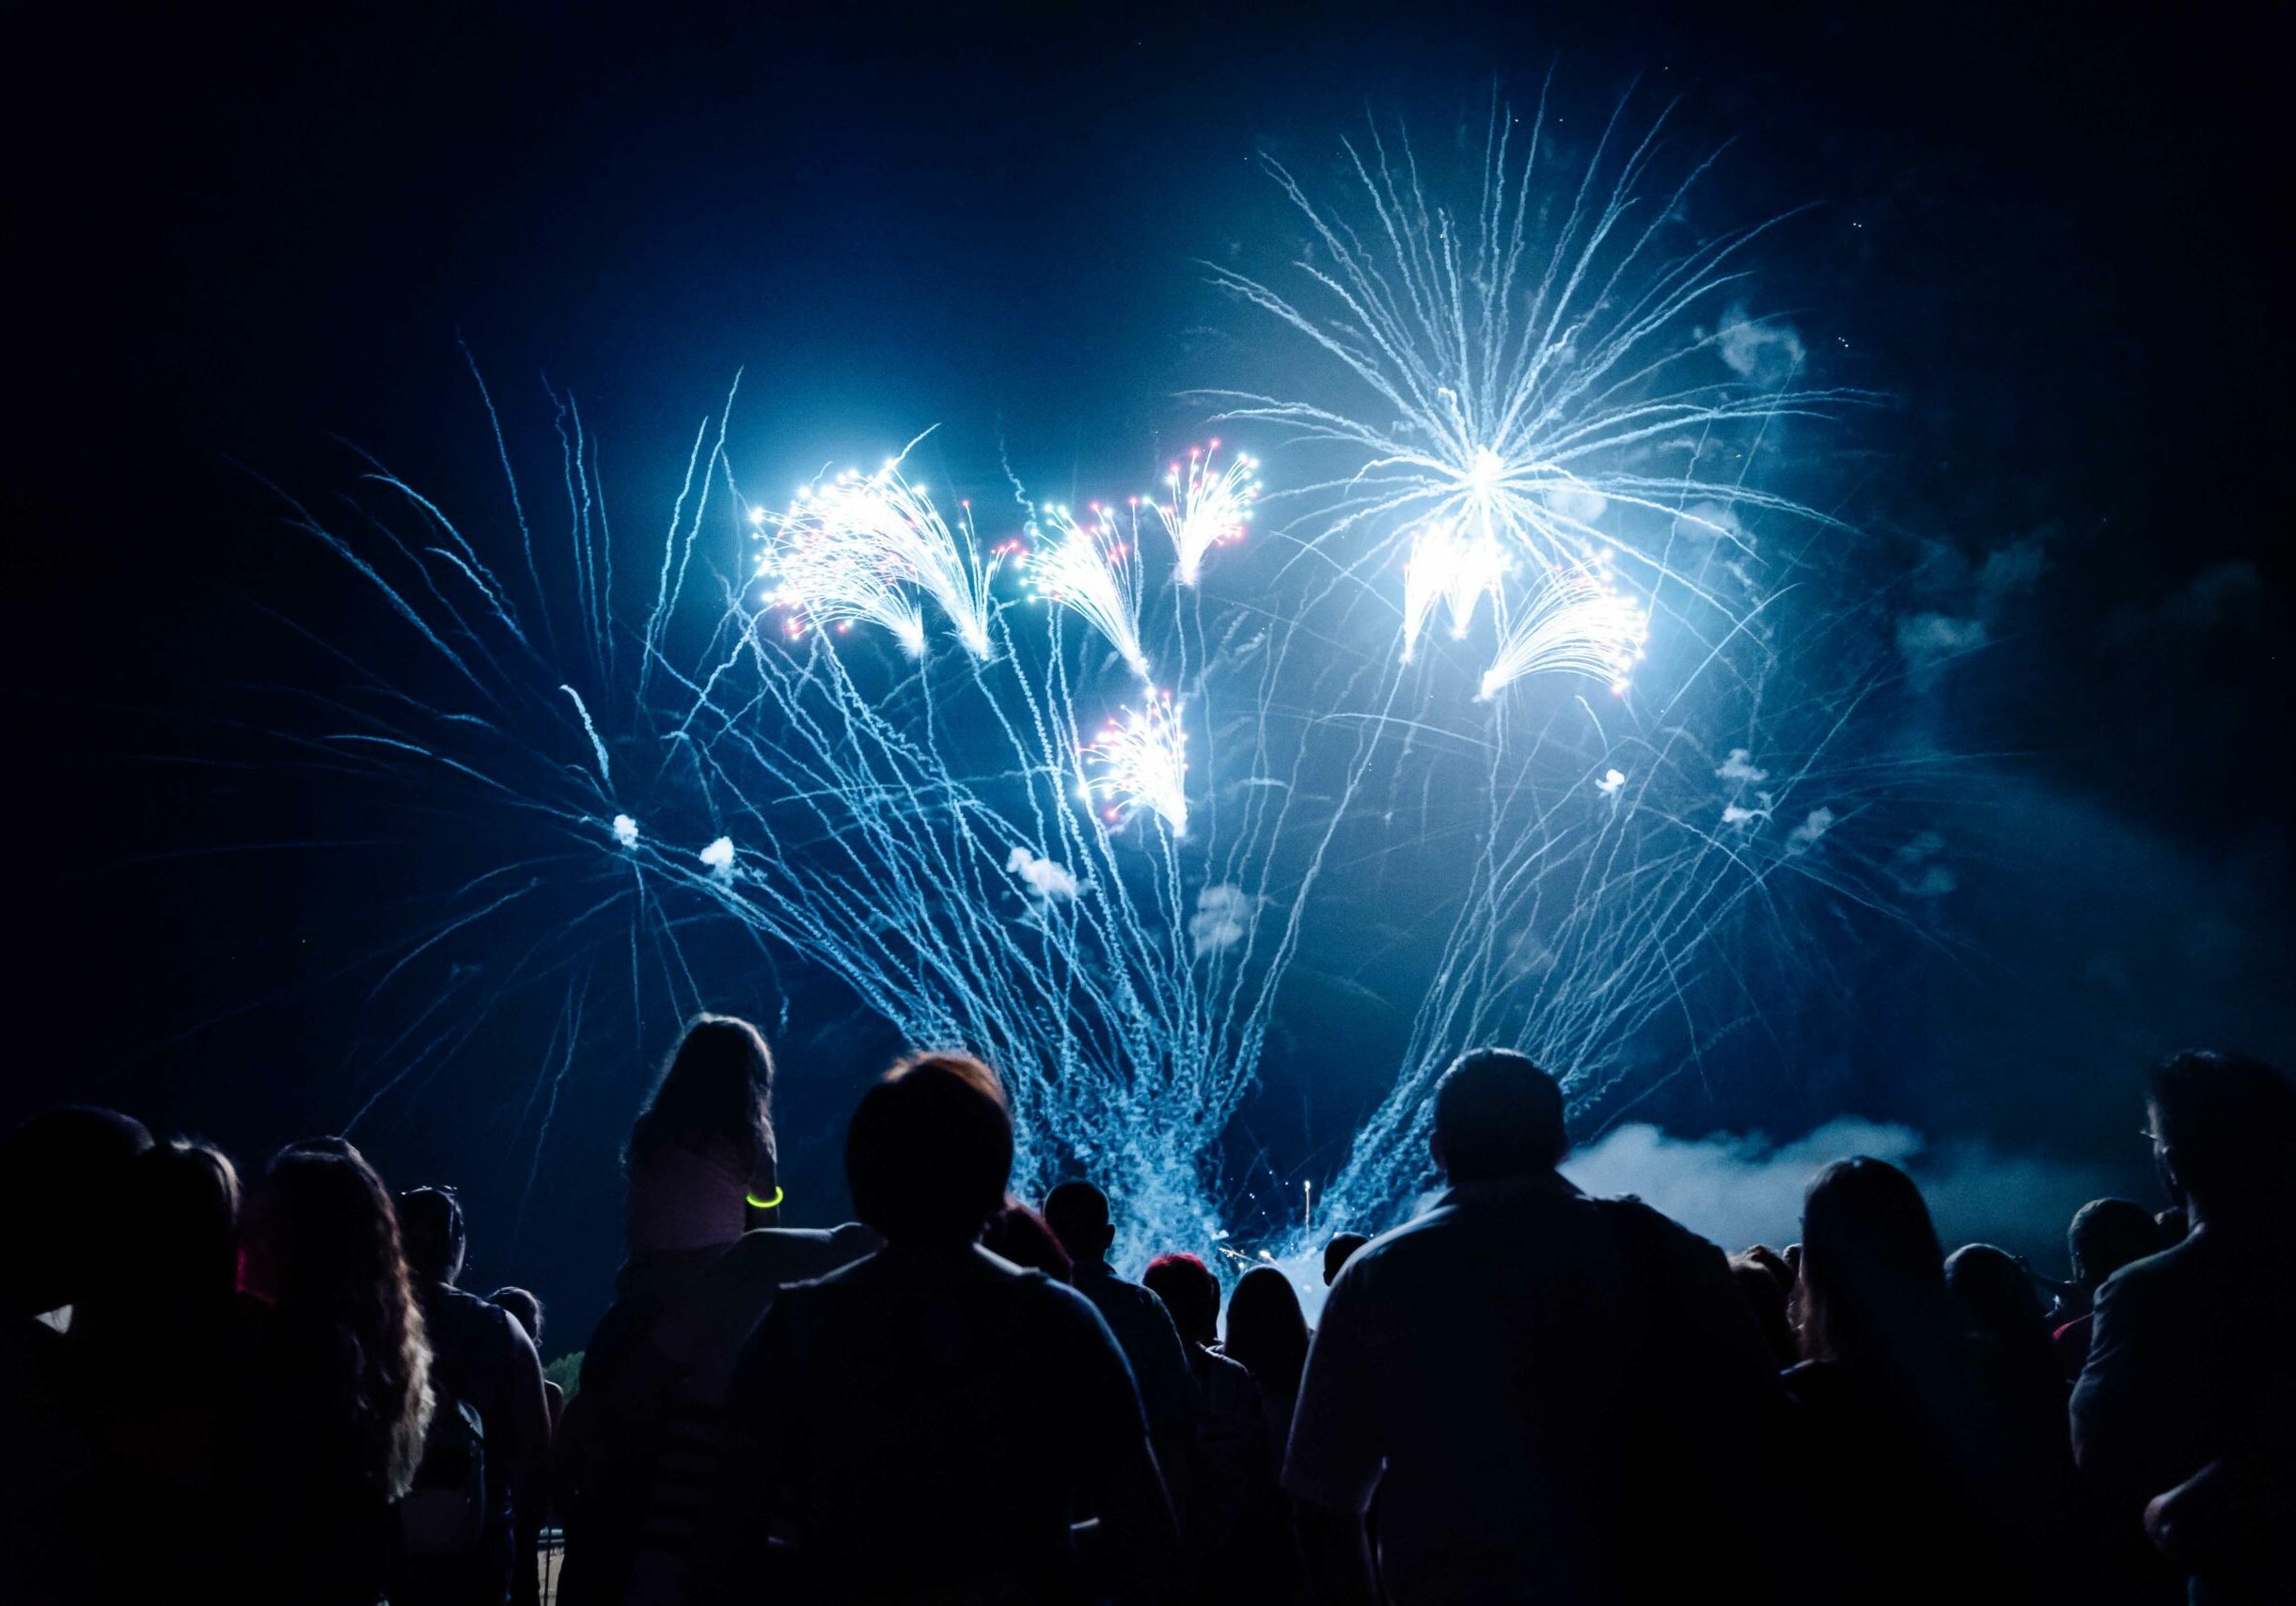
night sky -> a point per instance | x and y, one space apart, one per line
236 241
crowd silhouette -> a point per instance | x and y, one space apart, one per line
1522 1393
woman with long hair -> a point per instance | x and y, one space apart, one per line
701 1158
341 1385
639 1442
1933 1491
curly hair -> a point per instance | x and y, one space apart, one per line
344 1294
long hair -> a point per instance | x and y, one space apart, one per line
344 1296
716 1087
1871 1292
1267 1331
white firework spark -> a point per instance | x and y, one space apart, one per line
1450 566
1209 506
1576 622
1095 570
862 547
1140 761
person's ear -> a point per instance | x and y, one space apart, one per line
1108 1236
1434 1147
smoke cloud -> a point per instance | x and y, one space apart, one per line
1044 878
1743 1189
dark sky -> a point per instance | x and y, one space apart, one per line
234 237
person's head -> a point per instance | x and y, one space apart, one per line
1497 1117
1336 1254
431 1224
1267 1331
2107 1234
2223 1127
715 1092
523 1309
928 1153
1191 1293
174 1274
326 1240
1077 1213
1018 1233
1871 1274
1996 1295
65 1203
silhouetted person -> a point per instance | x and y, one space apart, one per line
925 1422
2000 1302
526 1310
2190 1381
1337 1254
1020 1236
1241 1521
639 1447
340 1402
468 1525
65 1208
1930 1468
1510 1374
2106 1236
1077 1213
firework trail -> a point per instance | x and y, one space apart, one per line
1098 877
1537 399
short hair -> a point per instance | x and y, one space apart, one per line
2107 1234
1338 1252
1190 1292
928 1154
1497 1115
2229 1122
522 1308
1077 1213
431 1224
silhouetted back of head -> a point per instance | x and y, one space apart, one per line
1337 1254
1190 1292
2107 1234
1019 1235
1872 1276
928 1154
1995 1294
523 1308
173 1276
326 1240
1077 1213
2227 1125
1497 1116
1267 1331
64 1202
431 1222
716 1090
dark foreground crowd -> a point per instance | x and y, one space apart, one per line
1524 1394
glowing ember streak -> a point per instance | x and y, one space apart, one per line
1209 507
1140 761
1093 570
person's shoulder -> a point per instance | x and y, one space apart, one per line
1651 1224
2157 1280
790 1254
